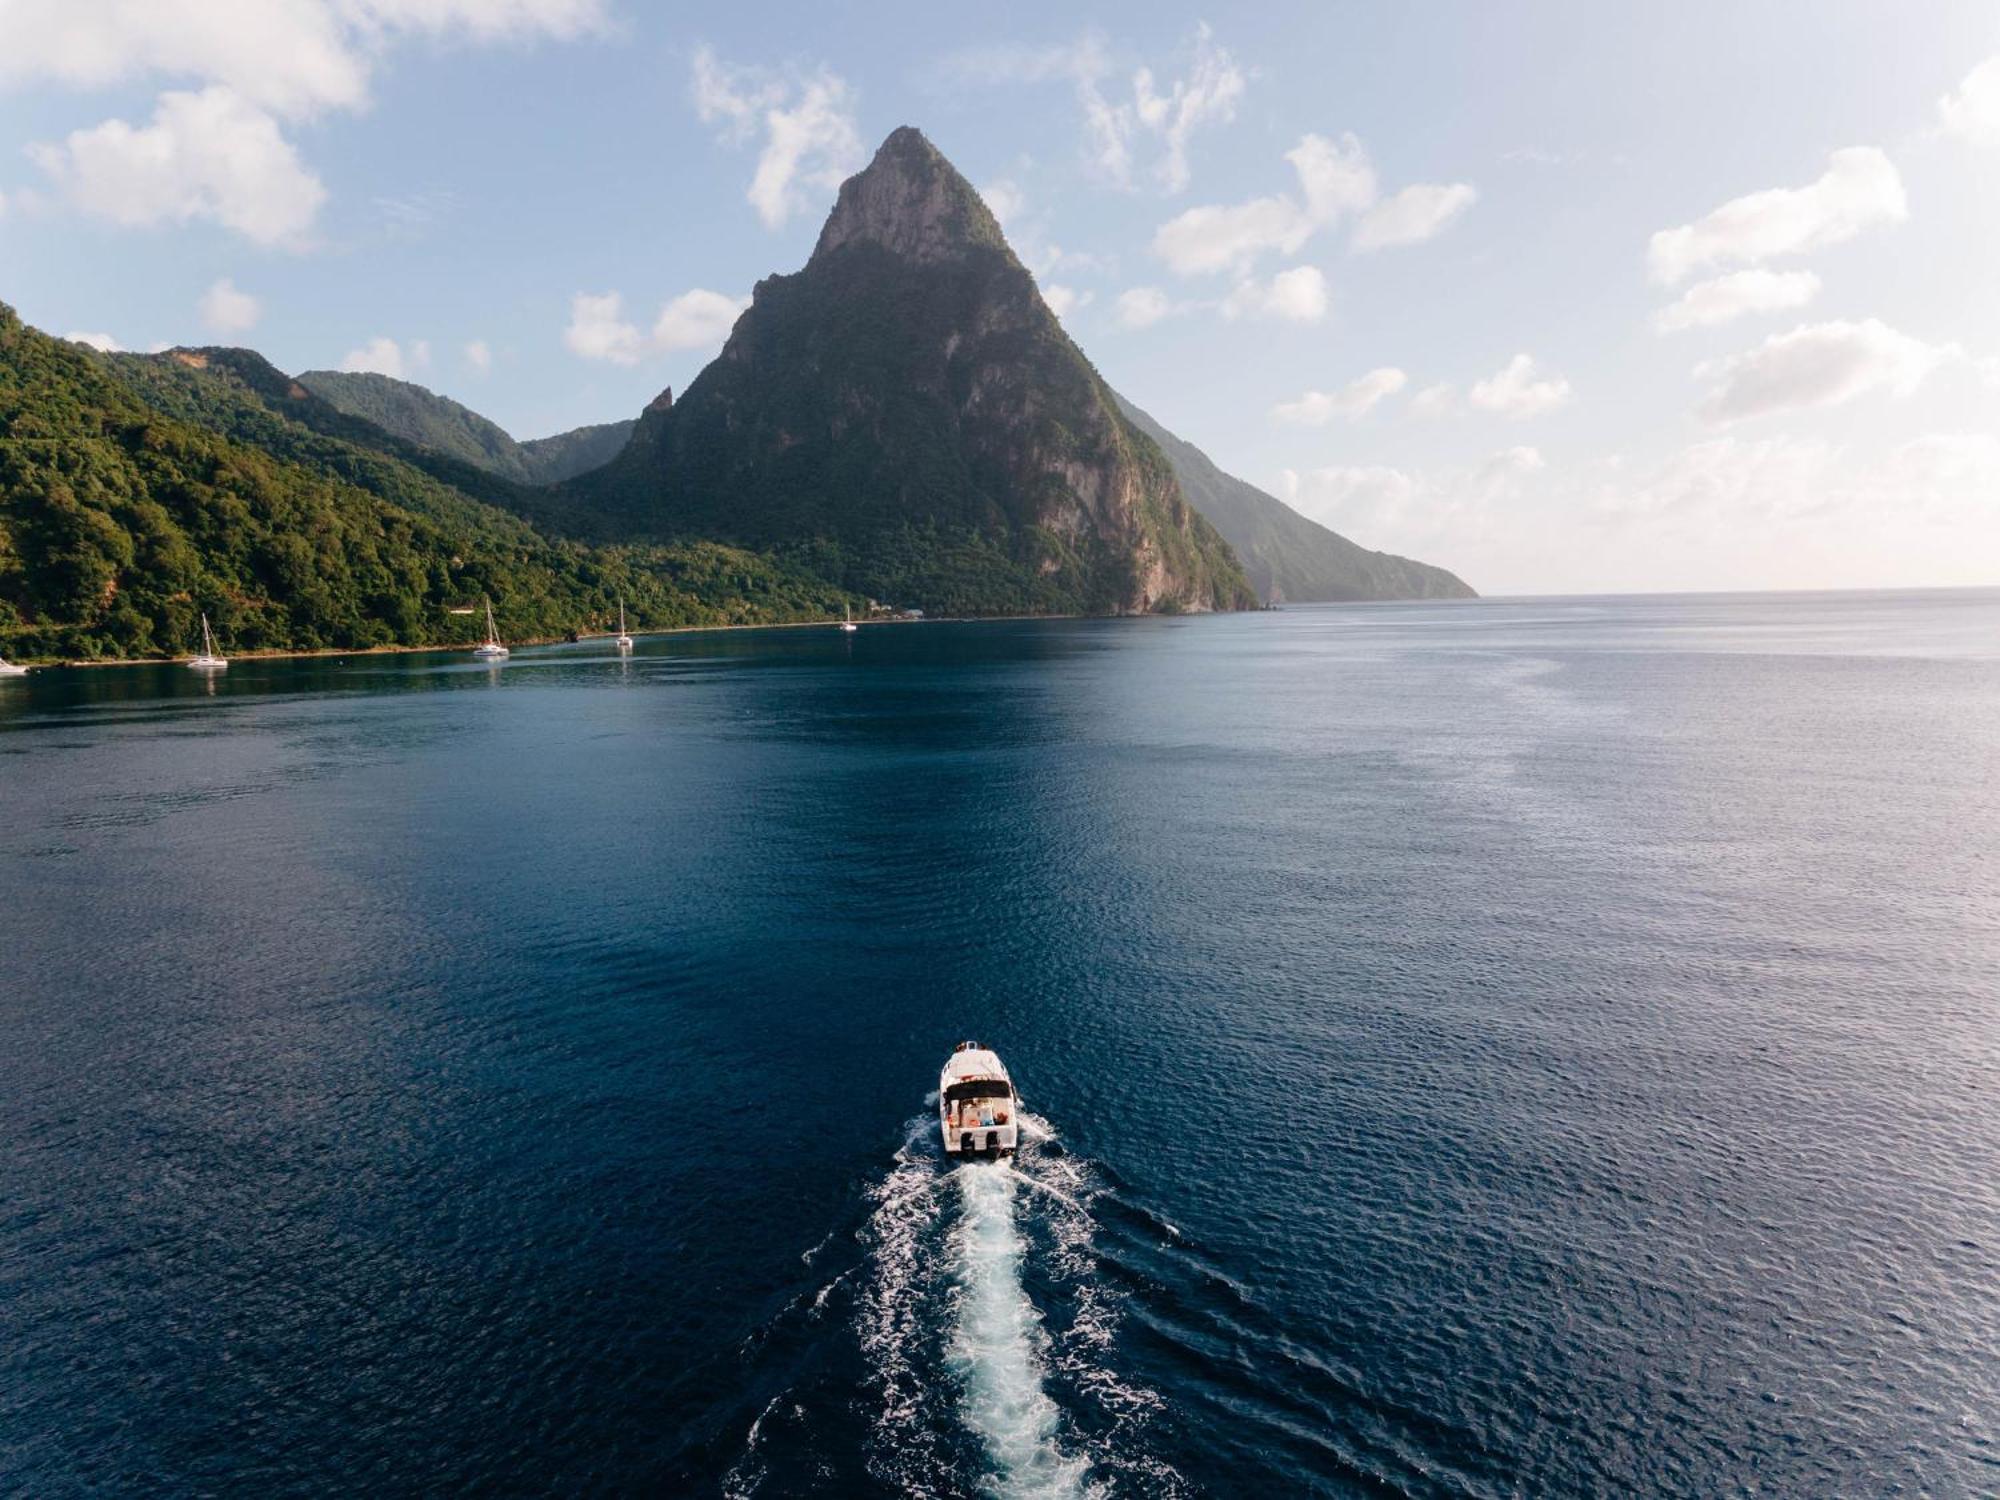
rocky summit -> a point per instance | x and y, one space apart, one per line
905 414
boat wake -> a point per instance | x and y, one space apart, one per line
986 1324
997 1345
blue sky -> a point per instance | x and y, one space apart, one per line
1408 266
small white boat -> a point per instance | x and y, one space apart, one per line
977 1105
492 650
847 619
8 669
624 640
208 661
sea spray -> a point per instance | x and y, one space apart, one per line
995 1349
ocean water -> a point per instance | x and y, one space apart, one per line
1543 1047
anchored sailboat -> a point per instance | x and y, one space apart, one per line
492 650
847 619
624 640
208 661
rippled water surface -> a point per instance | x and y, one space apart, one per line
1531 1047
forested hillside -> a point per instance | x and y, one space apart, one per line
438 423
139 491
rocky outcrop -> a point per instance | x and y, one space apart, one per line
907 411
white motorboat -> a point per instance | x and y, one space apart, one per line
8 669
624 640
492 650
977 1105
208 661
847 619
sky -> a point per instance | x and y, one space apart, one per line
1564 296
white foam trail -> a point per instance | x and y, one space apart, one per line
996 1347
1054 1192
1035 1128
747 1474
890 1318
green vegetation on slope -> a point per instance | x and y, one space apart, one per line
442 425
1285 554
138 491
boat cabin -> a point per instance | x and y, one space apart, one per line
978 1112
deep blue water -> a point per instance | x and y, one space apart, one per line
1522 1048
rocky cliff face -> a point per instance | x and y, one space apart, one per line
907 413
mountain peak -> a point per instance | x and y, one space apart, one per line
913 203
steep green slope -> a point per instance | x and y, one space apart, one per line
907 416
137 491
564 455
443 426
1286 555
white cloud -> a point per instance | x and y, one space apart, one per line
1335 181
211 155
1725 297
1207 95
810 141
1114 127
1143 306
1973 113
1415 214
1334 175
1519 389
1859 190
1725 512
1937 459
699 319
1508 462
217 151
1064 300
1046 258
1005 198
1221 238
598 328
103 343
382 355
1944 477
1355 399
292 57
1433 400
1819 364
1421 510
1298 295
1728 476
227 310
478 356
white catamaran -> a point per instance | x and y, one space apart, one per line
8 669
492 650
624 640
208 661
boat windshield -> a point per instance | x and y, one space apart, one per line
979 1088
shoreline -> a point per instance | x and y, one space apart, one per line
466 648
